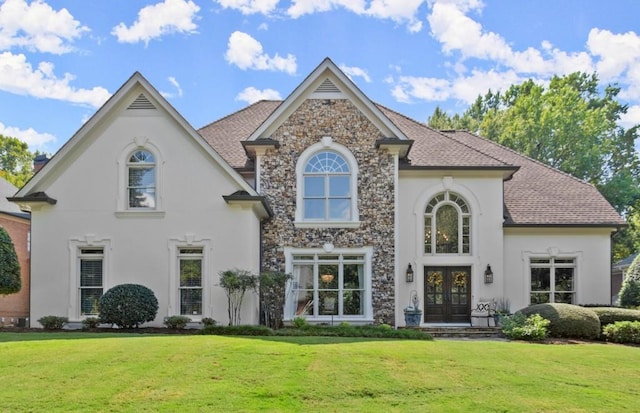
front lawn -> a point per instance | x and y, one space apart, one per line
127 372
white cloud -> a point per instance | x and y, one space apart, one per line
169 16
246 52
18 76
301 7
250 6
631 118
252 95
37 26
401 12
353 71
617 52
464 88
34 139
175 84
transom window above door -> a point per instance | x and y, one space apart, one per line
447 225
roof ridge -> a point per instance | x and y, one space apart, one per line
536 161
424 125
256 103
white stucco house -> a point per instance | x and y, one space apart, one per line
362 205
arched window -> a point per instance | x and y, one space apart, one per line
447 223
327 188
141 180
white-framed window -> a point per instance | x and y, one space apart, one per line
333 285
91 279
190 279
447 225
190 286
141 180
327 193
553 280
88 275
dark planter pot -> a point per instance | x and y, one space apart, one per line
412 318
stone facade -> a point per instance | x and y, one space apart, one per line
346 125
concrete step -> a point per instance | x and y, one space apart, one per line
464 332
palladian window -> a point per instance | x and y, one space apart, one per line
447 223
141 180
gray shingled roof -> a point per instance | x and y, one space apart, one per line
536 195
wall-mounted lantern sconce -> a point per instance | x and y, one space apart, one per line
409 274
488 275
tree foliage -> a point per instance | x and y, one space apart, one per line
10 282
16 161
236 283
630 290
128 305
570 124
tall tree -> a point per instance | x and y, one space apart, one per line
570 124
16 161
10 282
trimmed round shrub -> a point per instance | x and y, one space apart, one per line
52 322
610 315
128 305
177 322
570 321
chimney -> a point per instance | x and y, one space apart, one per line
38 162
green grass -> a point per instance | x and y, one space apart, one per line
99 372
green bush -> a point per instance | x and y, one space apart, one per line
630 290
609 315
273 291
570 321
622 332
316 330
128 305
300 322
90 322
177 322
208 321
522 327
10 282
244 330
52 322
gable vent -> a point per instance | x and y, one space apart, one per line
327 86
141 102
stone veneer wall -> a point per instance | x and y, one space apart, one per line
346 125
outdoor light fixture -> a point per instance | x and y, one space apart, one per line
409 274
488 275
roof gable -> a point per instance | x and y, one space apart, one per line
327 81
135 96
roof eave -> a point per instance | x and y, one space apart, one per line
258 203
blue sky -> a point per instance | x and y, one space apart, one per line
60 60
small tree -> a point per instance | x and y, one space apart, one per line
236 283
128 305
273 289
10 282
630 290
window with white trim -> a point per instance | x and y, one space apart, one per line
447 225
141 180
91 279
553 280
190 263
329 286
327 193
327 188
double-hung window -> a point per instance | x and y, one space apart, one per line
91 280
190 267
553 280
141 180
